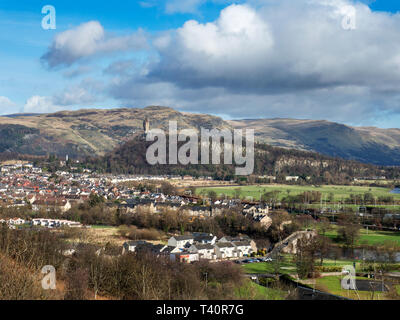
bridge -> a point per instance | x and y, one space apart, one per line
290 239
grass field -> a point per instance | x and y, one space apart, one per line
339 192
372 237
331 284
253 291
286 266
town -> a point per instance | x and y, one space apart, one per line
273 233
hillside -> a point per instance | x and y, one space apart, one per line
87 132
130 158
99 131
365 144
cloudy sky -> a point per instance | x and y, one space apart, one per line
337 60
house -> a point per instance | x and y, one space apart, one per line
55 223
240 239
243 248
131 245
256 209
184 256
224 250
16 221
264 220
197 211
205 251
205 238
181 241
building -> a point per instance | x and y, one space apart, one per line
181 241
205 251
224 250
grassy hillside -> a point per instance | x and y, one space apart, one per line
365 144
98 131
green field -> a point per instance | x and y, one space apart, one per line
339 192
286 266
371 237
331 284
253 291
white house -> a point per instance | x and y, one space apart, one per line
131 245
243 248
180 241
16 221
205 238
224 250
205 251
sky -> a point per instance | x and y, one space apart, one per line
336 60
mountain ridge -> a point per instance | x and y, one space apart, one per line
99 131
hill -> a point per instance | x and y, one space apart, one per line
99 131
365 144
89 131
130 158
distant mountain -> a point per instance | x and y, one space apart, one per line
100 131
130 158
89 132
364 144
18 115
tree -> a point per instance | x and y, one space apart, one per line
349 230
95 200
323 245
76 284
390 248
167 188
212 195
306 253
324 226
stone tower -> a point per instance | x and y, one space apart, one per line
146 125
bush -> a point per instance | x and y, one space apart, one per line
329 268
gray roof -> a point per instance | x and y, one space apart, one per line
204 238
204 246
242 243
168 249
181 238
225 245
134 243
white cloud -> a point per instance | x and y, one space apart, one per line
285 58
74 96
269 58
86 40
6 102
40 104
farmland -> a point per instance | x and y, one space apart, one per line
339 192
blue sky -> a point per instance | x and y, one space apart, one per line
188 54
